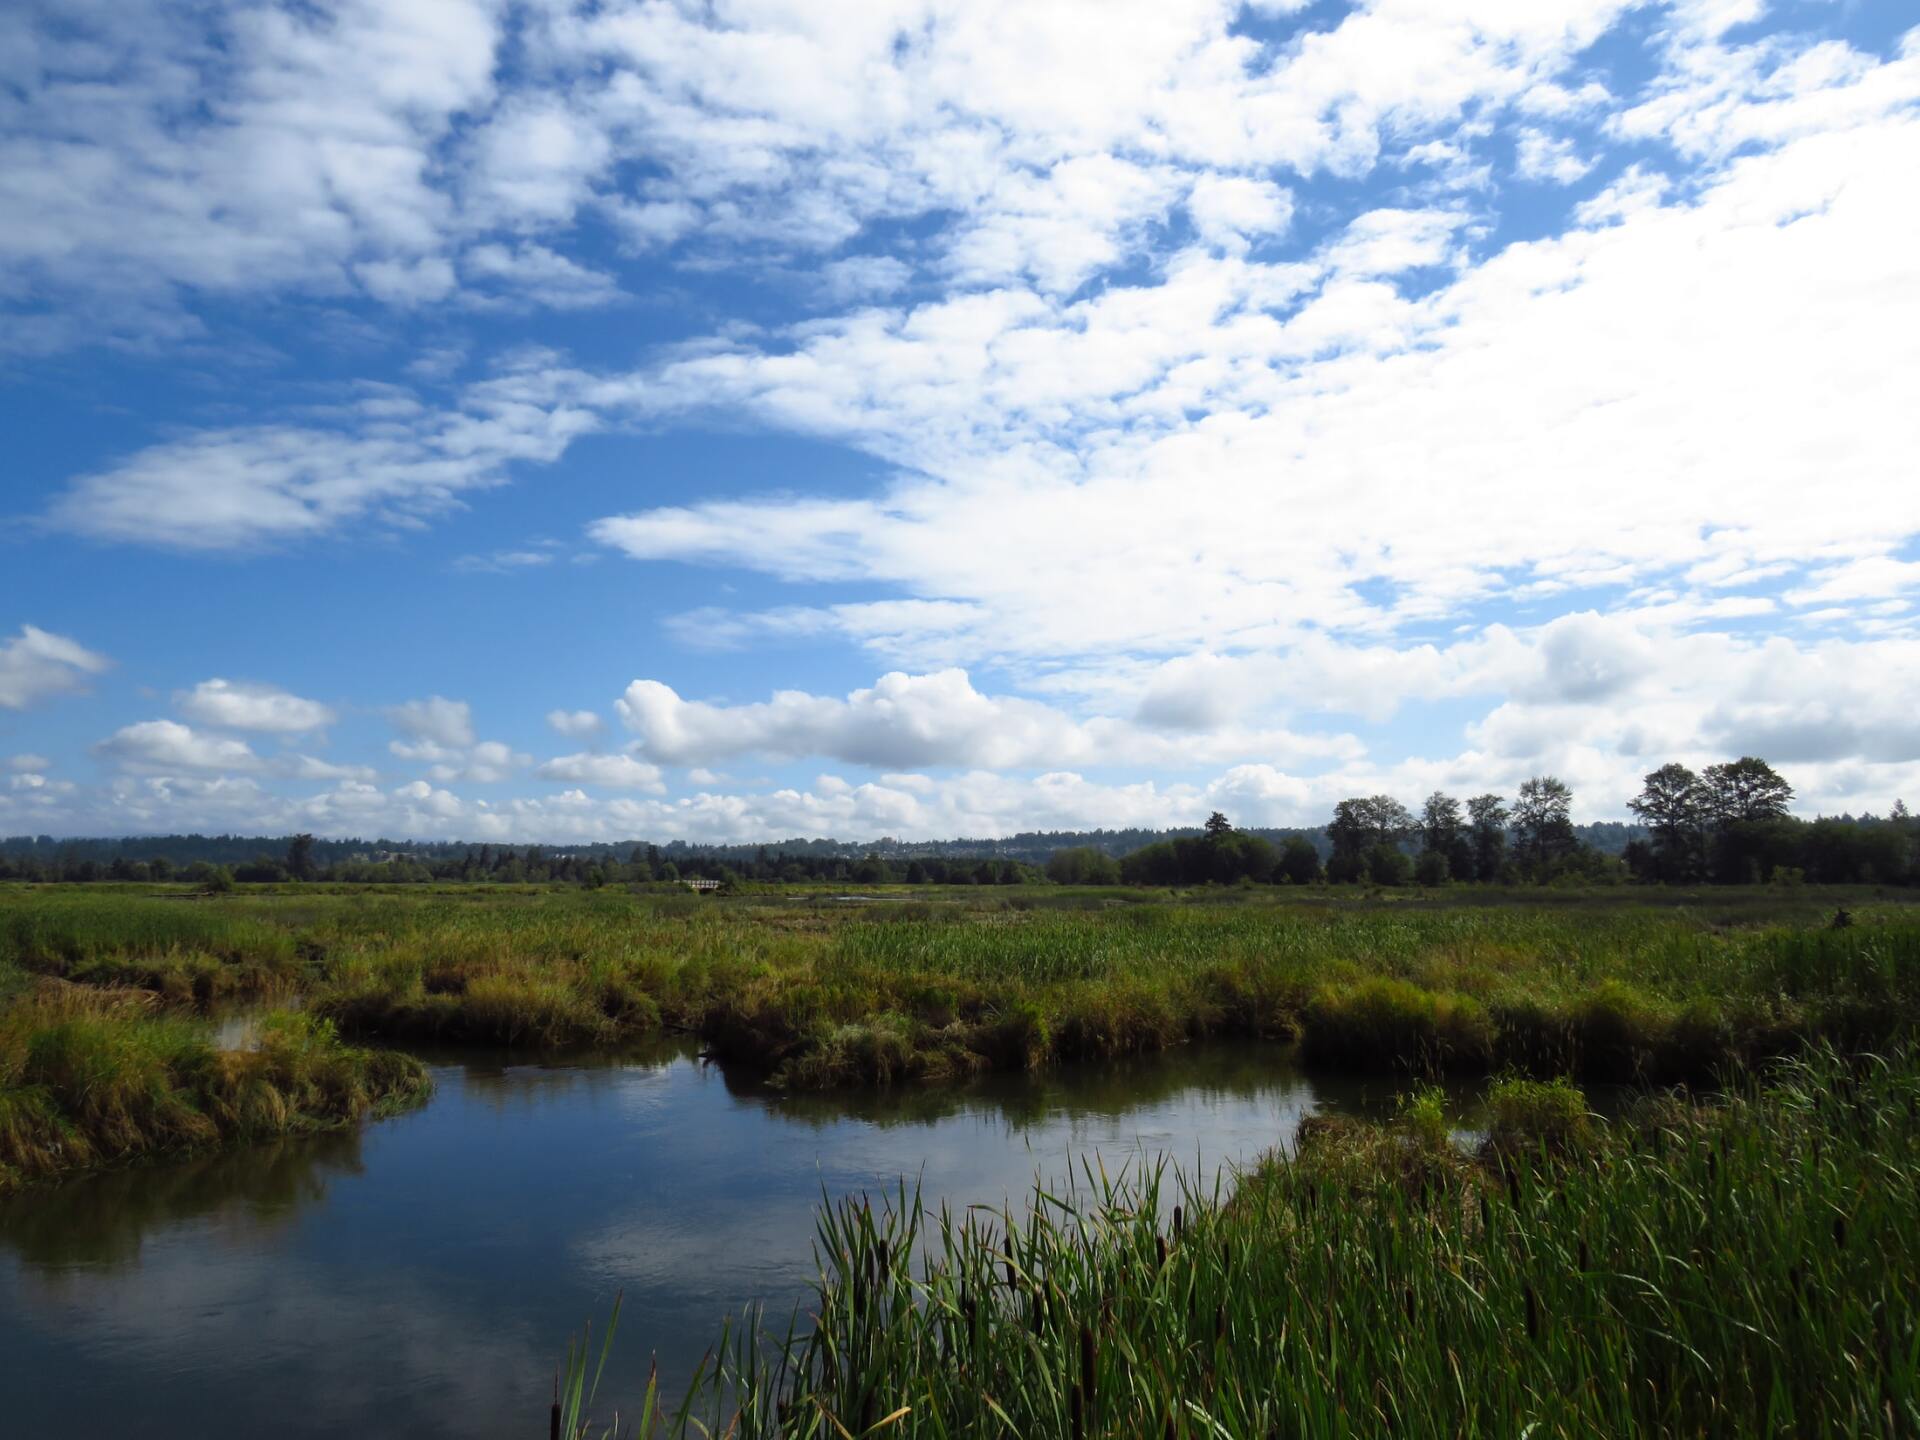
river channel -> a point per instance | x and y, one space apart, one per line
420 1277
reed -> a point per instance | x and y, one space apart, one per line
92 1077
1616 987
1744 1267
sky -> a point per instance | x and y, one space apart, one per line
726 421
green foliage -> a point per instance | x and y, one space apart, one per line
1083 865
89 1077
1745 1268
815 992
1525 1116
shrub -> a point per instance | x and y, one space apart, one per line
1392 1024
1530 1116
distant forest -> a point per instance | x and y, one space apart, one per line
1729 824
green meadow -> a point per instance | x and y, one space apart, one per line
106 1045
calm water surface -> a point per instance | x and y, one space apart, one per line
420 1278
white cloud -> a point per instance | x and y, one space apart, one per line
535 275
1173 500
1540 156
487 763
28 763
307 767
579 724
1234 454
621 772
1872 577
1234 210
938 719
435 720
237 705
168 747
390 461
146 157
36 665
862 277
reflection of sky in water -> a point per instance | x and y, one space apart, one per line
421 1278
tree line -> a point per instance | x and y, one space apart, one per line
1728 824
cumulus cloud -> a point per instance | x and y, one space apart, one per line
435 721
619 772
168 747
904 721
1540 156
237 705
36 665
579 724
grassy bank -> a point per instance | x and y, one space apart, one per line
1745 1268
817 992
92 1076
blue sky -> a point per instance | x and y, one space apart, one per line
558 421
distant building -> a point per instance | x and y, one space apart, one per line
701 884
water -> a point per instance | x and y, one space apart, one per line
420 1277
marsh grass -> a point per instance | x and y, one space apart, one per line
90 1077
1747 1267
1645 988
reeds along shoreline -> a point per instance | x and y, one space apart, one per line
1744 1267
89 1078
1606 988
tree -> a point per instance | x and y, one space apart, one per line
300 864
1218 826
1745 789
1299 861
1083 865
1431 869
1488 817
1388 865
1362 825
1440 824
1673 805
1443 832
1543 823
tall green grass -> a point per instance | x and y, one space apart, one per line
815 995
90 1078
1749 1267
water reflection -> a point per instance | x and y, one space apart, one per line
101 1220
420 1278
